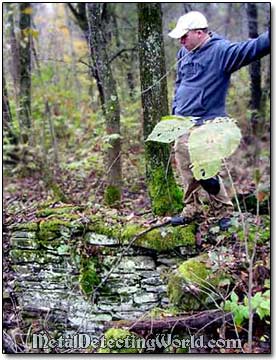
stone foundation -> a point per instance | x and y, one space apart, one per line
52 275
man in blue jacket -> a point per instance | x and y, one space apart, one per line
205 64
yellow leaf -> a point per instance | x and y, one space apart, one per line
27 11
80 46
67 59
35 33
64 30
30 32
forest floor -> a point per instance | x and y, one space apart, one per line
22 196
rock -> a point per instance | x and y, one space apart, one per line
128 289
192 286
149 274
127 279
19 256
168 261
128 315
101 317
24 243
143 298
165 301
156 289
137 263
98 239
152 281
47 278
106 307
24 234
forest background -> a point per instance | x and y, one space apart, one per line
55 134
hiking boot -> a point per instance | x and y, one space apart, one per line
178 220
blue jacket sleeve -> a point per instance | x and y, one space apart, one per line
180 54
243 53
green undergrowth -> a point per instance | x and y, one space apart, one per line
259 233
113 336
112 195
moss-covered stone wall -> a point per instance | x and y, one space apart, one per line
61 258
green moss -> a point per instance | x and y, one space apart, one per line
157 312
53 225
112 195
88 277
130 231
175 289
161 239
166 197
51 228
109 228
58 192
112 335
30 226
192 287
58 211
194 270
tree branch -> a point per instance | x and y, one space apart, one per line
120 52
74 11
200 320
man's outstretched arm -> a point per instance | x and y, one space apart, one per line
236 55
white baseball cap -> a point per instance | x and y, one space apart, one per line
190 21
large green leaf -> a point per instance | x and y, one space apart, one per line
205 170
170 128
210 143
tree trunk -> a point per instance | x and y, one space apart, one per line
229 16
14 65
187 7
165 196
109 99
7 117
76 82
255 72
25 70
79 13
209 319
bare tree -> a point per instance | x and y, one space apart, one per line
228 18
25 70
106 84
254 70
7 117
14 46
